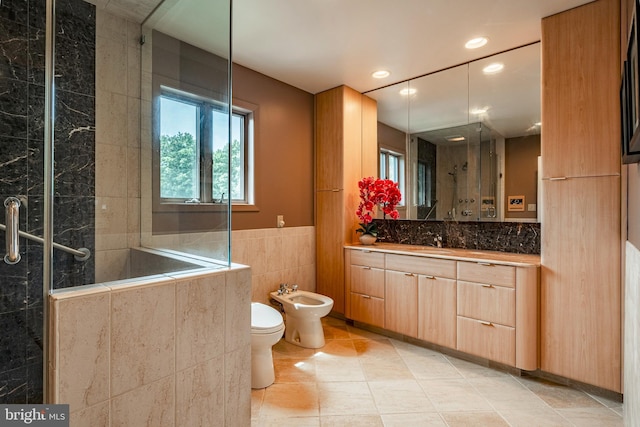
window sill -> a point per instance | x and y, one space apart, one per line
204 207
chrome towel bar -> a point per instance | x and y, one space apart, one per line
12 217
12 230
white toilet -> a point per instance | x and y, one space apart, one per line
303 311
267 327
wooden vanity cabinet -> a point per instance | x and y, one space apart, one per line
366 287
497 313
346 135
401 302
437 318
418 298
485 309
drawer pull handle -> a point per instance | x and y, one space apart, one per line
366 268
558 178
487 286
430 277
408 274
335 190
486 323
488 264
366 296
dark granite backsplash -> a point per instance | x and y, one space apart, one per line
516 237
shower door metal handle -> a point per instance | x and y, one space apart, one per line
12 217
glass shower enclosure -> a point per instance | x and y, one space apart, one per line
87 141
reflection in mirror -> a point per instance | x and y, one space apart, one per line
498 115
455 173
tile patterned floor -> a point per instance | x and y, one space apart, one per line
363 379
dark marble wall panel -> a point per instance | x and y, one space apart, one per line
516 237
22 94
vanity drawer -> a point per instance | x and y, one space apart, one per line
421 265
367 309
367 258
367 280
487 272
487 302
489 340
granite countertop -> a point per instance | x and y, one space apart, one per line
520 260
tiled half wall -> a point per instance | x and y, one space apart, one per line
276 255
171 350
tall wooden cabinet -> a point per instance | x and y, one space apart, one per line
580 253
346 150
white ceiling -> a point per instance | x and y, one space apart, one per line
320 44
316 45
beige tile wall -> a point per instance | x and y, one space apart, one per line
632 335
276 255
117 143
168 351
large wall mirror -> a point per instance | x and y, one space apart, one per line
467 138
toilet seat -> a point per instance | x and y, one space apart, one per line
265 319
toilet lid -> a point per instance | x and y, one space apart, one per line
265 319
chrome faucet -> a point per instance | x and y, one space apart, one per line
294 288
284 289
438 240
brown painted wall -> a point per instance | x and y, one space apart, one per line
521 172
391 138
284 162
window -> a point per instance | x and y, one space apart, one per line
194 151
392 167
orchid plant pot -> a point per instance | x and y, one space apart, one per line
367 239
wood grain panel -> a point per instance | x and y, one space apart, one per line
329 139
437 311
488 273
580 91
488 340
527 309
329 243
580 287
367 309
367 281
368 258
487 302
401 303
422 265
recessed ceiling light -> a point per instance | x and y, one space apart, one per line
380 74
496 67
455 138
476 42
408 91
479 110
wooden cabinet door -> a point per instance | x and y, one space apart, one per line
329 247
367 281
580 287
367 309
329 139
401 303
338 139
580 91
437 310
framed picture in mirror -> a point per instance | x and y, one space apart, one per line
630 98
